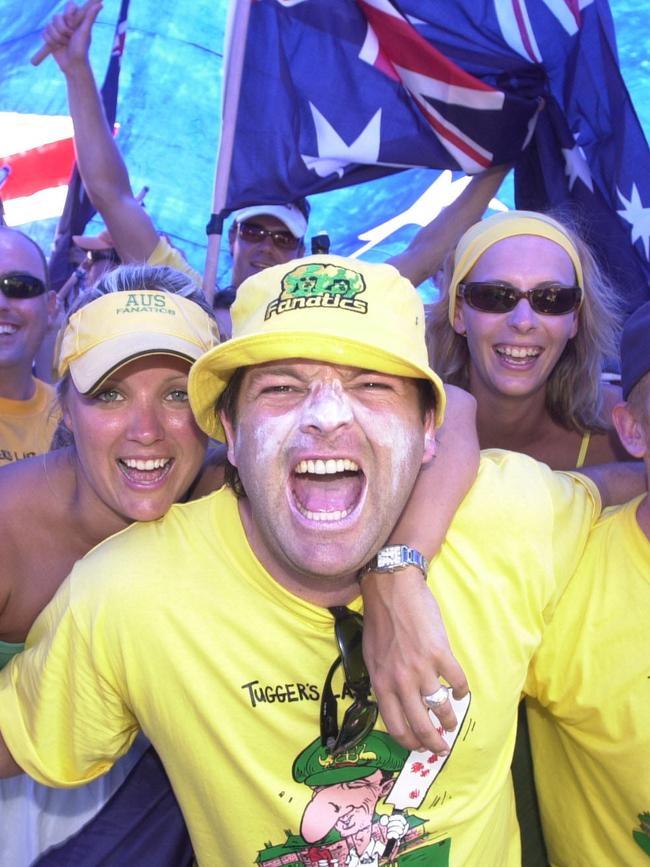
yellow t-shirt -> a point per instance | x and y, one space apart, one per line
590 722
175 625
165 254
27 426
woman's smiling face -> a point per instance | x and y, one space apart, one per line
514 353
136 440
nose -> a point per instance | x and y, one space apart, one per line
145 425
266 243
326 410
522 317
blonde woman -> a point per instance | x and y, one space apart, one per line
525 323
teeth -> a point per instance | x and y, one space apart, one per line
150 464
8 329
323 517
519 351
326 468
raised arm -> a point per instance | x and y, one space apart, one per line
405 644
99 160
425 254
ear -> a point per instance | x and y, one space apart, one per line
430 445
630 430
459 318
574 328
231 435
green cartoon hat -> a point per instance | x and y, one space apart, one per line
377 752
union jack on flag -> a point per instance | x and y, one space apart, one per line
338 93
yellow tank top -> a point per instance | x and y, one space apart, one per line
584 447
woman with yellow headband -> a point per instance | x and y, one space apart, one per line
525 324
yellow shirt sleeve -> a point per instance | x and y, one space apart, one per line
63 721
165 254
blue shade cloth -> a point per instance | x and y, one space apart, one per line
333 95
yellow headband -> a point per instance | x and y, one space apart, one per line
484 234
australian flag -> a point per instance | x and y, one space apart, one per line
78 208
338 93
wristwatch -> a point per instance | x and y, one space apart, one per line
392 558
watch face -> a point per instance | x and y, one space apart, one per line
389 557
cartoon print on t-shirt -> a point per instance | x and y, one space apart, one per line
363 805
642 835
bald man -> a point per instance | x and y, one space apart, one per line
28 415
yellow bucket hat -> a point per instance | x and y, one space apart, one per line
486 233
115 329
322 308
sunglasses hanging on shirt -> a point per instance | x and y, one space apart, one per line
360 717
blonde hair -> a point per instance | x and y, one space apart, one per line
573 389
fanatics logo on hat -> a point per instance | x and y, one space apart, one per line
145 302
319 285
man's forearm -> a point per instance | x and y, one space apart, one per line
618 482
442 484
425 255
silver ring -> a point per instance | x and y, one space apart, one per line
436 699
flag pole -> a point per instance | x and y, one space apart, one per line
232 83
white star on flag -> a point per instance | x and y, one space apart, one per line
576 167
638 217
333 153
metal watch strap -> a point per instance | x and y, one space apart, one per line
392 558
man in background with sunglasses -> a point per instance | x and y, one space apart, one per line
230 629
28 414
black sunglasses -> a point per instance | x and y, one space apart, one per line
549 299
253 233
21 286
360 717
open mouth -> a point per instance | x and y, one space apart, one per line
147 471
5 328
327 490
518 355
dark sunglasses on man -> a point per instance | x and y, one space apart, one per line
253 233
360 717
21 286
548 299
